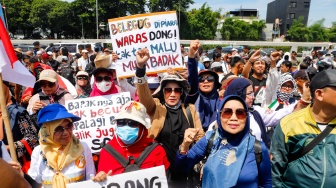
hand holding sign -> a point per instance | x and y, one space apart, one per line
194 45
142 57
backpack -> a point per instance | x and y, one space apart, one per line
67 72
128 166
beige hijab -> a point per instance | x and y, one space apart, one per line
58 161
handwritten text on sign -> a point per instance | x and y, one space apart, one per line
97 113
147 178
158 32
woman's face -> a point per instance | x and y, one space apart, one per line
206 83
48 88
82 80
172 93
287 87
249 96
233 117
63 133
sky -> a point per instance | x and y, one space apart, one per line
318 8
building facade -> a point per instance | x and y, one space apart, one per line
286 11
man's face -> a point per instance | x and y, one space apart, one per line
245 50
36 47
259 67
182 48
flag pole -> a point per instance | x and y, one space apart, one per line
5 118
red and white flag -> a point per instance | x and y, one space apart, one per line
11 68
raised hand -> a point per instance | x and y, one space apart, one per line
142 57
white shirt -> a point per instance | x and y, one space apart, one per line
5 155
75 172
83 62
255 129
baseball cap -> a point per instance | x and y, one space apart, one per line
134 111
323 79
301 74
216 64
54 112
206 59
45 56
82 73
85 51
48 75
49 53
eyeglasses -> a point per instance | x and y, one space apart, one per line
49 84
60 129
240 113
124 122
83 78
287 86
100 78
169 90
209 78
250 94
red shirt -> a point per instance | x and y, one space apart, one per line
156 158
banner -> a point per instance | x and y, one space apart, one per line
97 113
158 32
147 178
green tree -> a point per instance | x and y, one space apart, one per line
298 32
203 23
317 32
17 15
235 29
332 32
167 5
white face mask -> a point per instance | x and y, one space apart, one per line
104 86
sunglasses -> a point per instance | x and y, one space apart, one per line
49 84
100 78
209 78
60 129
169 90
83 78
240 113
124 122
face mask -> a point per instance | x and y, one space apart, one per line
127 134
104 86
284 96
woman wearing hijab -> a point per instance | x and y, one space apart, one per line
169 116
131 140
83 86
203 93
60 158
103 77
231 161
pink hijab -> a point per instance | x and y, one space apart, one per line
96 92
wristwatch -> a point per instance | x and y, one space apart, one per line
182 152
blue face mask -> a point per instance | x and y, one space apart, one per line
127 134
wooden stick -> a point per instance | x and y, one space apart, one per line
5 118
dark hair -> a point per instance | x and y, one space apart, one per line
319 52
78 55
217 69
303 65
182 45
219 47
235 60
65 51
81 46
92 58
25 56
216 55
247 47
87 45
287 64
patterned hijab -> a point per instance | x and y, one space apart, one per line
284 97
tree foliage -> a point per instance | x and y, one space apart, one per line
235 29
201 23
298 31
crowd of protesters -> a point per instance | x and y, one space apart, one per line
245 119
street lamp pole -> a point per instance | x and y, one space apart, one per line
97 19
82 28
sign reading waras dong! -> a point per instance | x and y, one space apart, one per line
158 32
97 117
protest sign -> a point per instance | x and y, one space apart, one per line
97 113
147 178
158 32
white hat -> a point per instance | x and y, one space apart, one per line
39 52
65 58
49 53
216 64
206 59
85 51
234 49
134 111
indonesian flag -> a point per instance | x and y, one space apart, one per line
11 68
